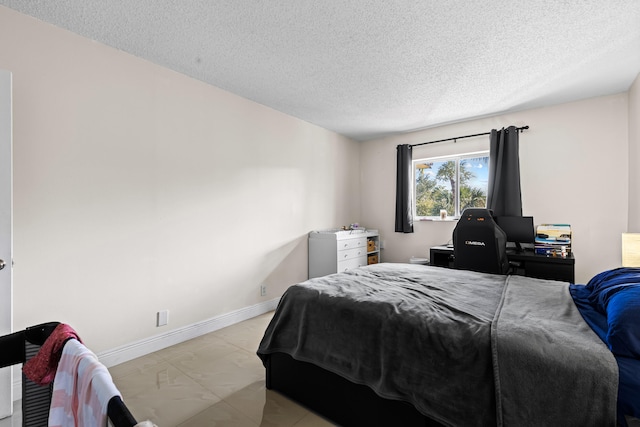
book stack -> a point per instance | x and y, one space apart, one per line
553 239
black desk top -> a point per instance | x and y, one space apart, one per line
525 255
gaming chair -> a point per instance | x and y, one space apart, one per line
479 244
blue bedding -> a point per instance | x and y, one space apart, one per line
610 304
629 388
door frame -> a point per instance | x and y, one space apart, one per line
6 233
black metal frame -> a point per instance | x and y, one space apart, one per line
19 347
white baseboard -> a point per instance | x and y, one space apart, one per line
149 345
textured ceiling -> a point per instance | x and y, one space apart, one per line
372 68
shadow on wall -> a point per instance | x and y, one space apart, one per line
286 266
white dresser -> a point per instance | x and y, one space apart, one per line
335 251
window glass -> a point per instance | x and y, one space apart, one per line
450 183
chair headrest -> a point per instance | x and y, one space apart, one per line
477 214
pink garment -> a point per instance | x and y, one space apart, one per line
41 369
81 390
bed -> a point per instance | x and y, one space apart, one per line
414 345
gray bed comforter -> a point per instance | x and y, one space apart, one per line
465 348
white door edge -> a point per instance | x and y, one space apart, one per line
6 234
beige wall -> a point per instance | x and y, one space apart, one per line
574 170
634 157
138 189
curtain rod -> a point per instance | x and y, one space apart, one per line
466 136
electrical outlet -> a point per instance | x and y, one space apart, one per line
263 290
163 318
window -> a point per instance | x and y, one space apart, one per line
451 183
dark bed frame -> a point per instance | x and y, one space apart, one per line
336 398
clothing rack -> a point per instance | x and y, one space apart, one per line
520 129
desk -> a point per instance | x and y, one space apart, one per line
526 263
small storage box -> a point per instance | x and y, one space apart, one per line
371 246
372 259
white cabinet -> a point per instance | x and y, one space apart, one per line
335 251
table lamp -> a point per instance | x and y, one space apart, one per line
631 249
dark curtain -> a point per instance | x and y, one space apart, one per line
404 215
504 196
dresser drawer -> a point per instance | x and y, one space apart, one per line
349 264
334 251
352 243
352 253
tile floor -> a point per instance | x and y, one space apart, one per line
212 380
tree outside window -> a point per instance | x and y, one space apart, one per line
452 183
